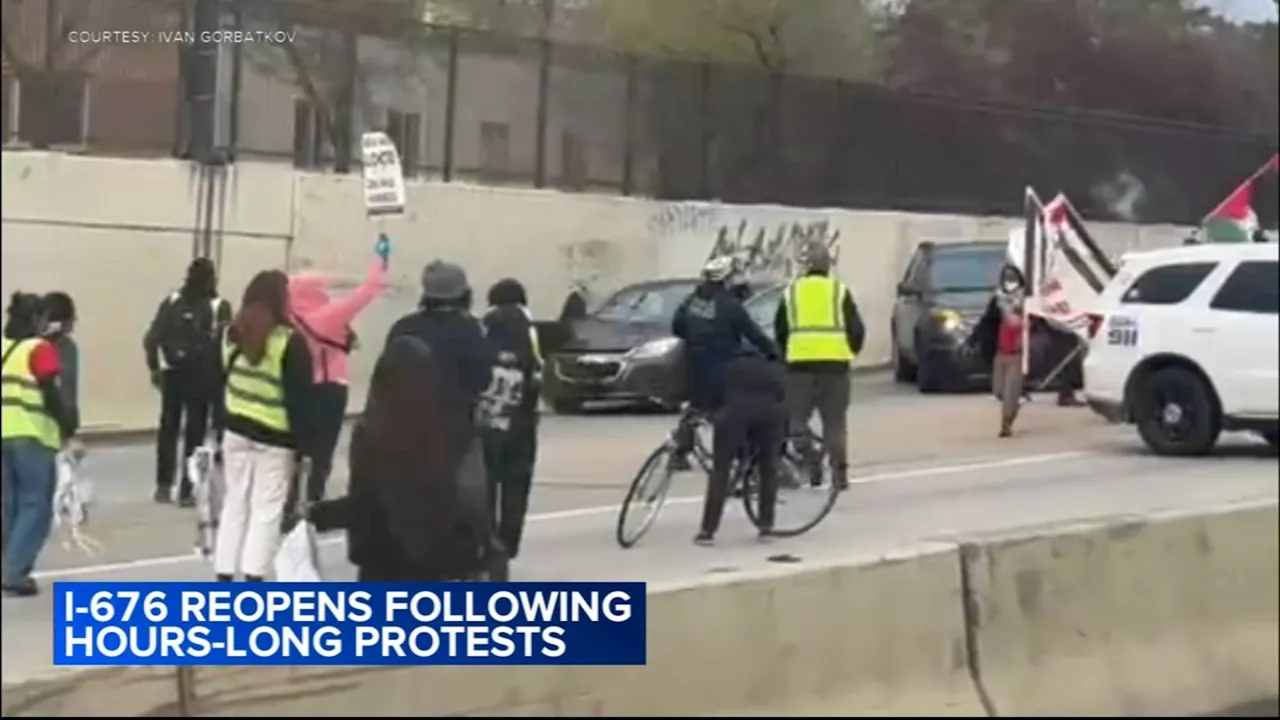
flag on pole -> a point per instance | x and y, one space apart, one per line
1233 220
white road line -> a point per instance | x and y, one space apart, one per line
928 471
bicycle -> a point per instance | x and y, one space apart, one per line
797 471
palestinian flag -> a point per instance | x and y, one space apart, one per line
1234 220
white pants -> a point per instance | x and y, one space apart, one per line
256 481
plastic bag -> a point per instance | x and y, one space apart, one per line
298 558
208 489
72 498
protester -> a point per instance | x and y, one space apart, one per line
267 423
821 331
998 340
750 424
510 415
463 356
326 325
714 327
59 329
404 515
181 348
34 421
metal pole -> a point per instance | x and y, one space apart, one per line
544 79
450 104
186 681
629 126
704 112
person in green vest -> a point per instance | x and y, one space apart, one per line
34 423
266 427
820 330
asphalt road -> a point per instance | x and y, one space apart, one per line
925 468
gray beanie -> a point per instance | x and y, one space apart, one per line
444 281
817 257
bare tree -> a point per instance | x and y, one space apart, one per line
323 60
51 67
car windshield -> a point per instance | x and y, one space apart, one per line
966 269
764 305
645 303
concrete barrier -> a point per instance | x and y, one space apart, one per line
117 234
1172 616
1160 616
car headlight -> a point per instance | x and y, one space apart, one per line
948 320
655 348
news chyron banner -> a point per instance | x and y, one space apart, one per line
176 624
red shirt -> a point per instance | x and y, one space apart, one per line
1009 336
43 361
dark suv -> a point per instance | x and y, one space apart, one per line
941 296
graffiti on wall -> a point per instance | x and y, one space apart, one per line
774 252
676 218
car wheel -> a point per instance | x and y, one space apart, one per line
1177 413
1273 438
566 407
903 370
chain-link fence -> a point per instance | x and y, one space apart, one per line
295 82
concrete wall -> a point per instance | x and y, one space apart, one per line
117 235
1160 616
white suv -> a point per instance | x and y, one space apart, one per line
1185 345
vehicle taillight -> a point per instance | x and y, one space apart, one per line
1095 324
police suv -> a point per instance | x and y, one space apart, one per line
1184 346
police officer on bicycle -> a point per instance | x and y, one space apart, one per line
714 327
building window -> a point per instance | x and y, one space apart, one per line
495 148
52 108
405 130
308 134
573 161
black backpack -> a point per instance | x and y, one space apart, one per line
189 329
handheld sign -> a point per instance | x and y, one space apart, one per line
383 179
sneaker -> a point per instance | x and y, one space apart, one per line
1005 432
765 535
163 495
186 499
26 588
705 539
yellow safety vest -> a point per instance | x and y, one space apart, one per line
815 320
24 414
256 392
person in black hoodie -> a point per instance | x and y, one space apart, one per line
463 355
750 423
714 327
267 411
404 514
509 410
35 423
181 346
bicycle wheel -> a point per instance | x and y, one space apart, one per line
806 491
645 496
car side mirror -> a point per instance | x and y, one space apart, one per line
906 290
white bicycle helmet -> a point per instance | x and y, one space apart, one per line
718 269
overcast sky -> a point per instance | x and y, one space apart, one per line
1245 9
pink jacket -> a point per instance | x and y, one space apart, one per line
318 317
